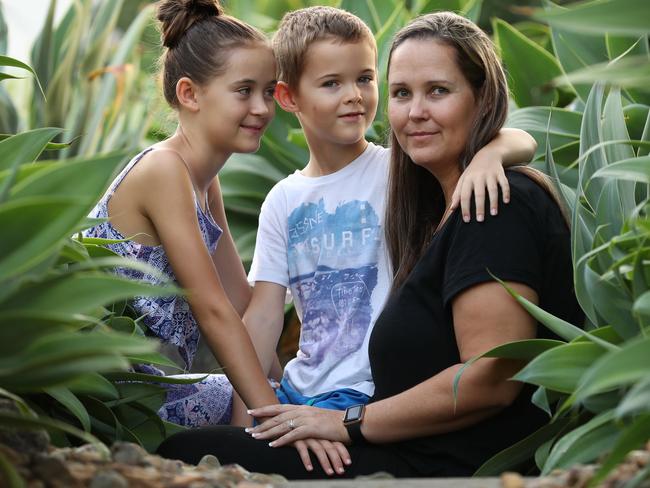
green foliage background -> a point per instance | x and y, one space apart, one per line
579 77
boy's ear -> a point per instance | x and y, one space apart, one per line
284 97
186 94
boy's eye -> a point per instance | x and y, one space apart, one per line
330 84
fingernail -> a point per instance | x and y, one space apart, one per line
310 467
271 444
506 199
329 471
247 429
348 461
255 434
341 470
493 211
465 218
249 412
479 217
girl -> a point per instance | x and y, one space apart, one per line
218 73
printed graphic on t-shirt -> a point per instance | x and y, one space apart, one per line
333 261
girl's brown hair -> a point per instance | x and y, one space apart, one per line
198 37
416 202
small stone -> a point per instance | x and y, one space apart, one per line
108 479
87 453
53 471
128 453
512 480
209 462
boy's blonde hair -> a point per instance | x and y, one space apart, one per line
300 28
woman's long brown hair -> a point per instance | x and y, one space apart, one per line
416 202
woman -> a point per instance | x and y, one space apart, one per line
448 98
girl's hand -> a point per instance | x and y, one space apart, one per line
332 456
485 171
289 423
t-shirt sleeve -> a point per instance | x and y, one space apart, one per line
270 262
507 245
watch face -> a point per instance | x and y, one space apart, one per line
353 413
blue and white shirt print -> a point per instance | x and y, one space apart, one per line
323 238
334 298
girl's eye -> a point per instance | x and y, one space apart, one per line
244 91
269 92
330 84
365 79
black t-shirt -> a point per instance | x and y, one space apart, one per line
413 339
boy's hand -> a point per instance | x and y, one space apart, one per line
485 171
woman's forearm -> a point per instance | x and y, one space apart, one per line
429 408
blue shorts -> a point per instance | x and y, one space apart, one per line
333 400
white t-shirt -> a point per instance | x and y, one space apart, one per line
323 238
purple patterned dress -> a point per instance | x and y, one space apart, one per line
208 402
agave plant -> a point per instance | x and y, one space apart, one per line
593 382
89 76
67 341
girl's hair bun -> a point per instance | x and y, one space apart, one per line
177 16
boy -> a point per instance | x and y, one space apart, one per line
321 229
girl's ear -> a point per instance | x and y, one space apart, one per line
284 97
186 94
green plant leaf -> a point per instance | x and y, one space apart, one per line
93 384
530 67
25 147
630 72
576 50
633 436
636 400
559 125
617 368
562 367
71 402
9 61
625 17
81 293
583 444
10 420
633 169
9 474
509 459
558 326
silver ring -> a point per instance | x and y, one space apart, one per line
291 424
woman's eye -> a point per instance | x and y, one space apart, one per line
439 90
400 93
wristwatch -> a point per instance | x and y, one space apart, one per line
352 422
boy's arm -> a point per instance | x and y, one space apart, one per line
485 171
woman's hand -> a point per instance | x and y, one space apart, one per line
485 171
331 455
289 423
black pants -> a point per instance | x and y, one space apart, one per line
233 445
